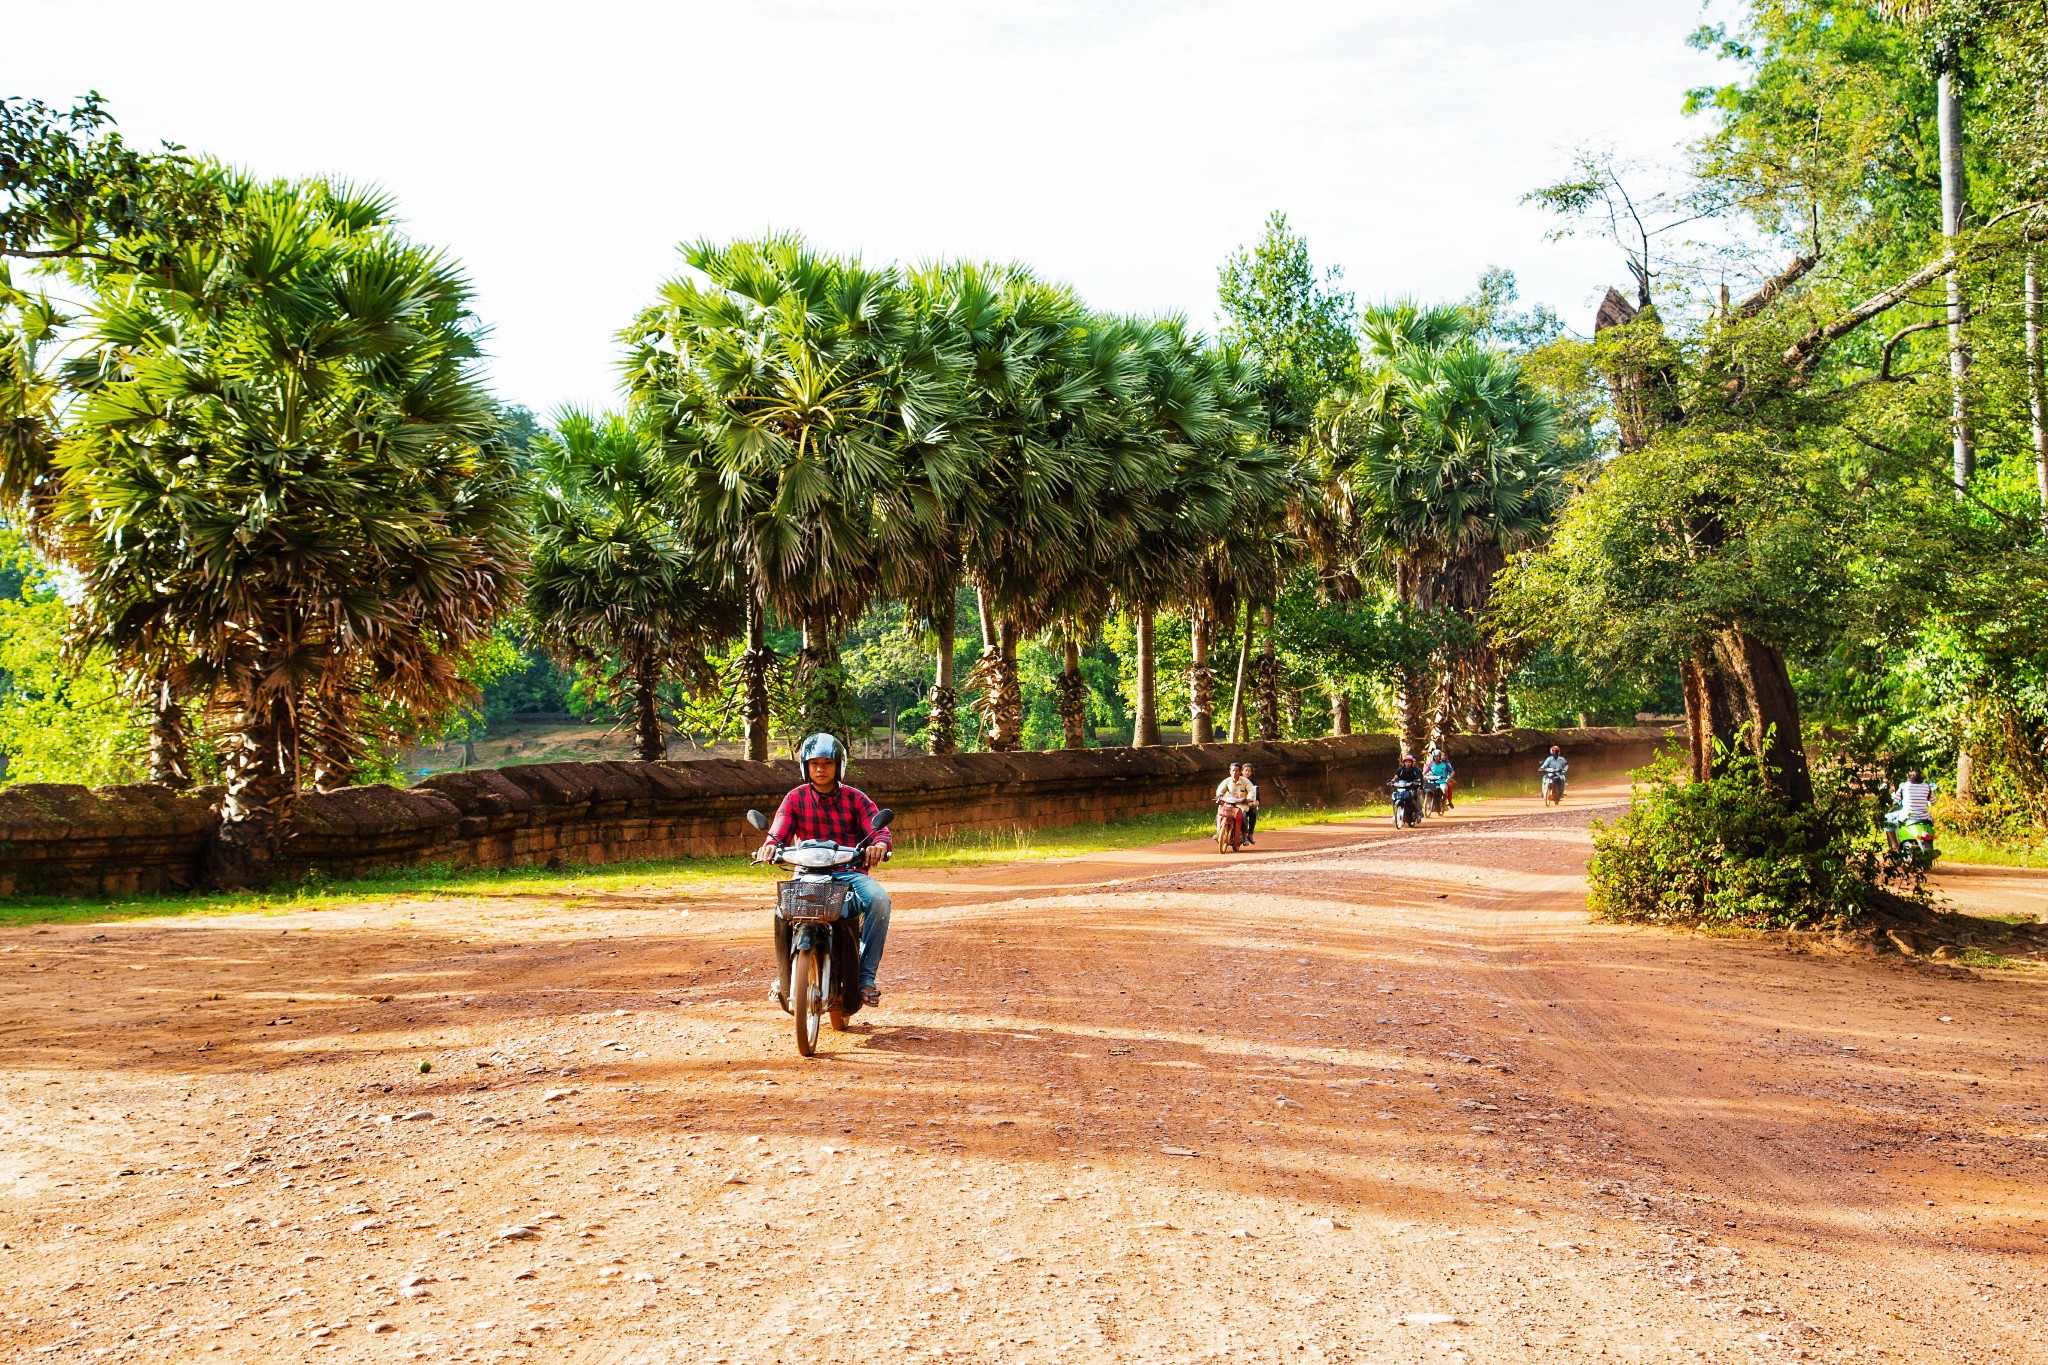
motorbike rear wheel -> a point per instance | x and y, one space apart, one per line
804 1000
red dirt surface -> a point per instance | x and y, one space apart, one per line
1352 1095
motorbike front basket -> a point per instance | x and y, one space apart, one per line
816 902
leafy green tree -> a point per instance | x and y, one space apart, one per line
1298 327
63 717
616 584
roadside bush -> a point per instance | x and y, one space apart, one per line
1729 851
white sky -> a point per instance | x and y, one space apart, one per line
562 150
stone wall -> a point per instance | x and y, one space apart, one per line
69 840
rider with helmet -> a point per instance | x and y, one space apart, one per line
1553 765
1409 770
824 807
1444 775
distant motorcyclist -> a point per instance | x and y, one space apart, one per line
1251 810
1407 792
1552 769
826 808
1235 792
1444 775
1913 799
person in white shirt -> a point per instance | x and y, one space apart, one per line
1913 796
1251 810
1234 791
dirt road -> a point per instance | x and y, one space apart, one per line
1352 1096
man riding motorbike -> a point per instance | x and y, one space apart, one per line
1251 810
1444 775
1234 793
1553 766
824 807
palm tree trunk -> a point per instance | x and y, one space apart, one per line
1949 118
754 680
1244 659
1006 709
1340 710
647 741
1268 679
1503 710
1145 732
942 730
1072 701
2037 398
1409 701
260 763
331 739
170 752
1201 684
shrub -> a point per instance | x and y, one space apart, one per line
1730 851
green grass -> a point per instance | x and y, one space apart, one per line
700 876
1070 841
1956 848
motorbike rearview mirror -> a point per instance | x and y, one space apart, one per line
883 817
757 820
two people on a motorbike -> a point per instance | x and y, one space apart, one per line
824 807
1914 797
1440 773
1240 793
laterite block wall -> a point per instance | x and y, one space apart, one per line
68 840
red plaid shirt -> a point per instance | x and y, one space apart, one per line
844 815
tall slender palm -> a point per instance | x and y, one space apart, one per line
616 584
1446 459
1045 385
795 391
288 474
1188 416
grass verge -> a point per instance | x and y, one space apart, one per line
698 876
1956 848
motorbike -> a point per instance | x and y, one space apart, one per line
1436 798
823 938
1553 789
1229 827
1407 803
1912 840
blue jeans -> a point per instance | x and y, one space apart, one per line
873 899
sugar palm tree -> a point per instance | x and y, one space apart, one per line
616 583
287 474
1445 460
1044 388
1194 433
795 392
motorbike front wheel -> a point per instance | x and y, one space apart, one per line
805 999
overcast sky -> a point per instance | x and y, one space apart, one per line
563 150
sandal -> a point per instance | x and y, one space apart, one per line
869 995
